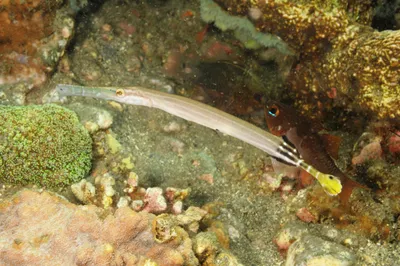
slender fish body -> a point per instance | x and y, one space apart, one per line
206 116
189 110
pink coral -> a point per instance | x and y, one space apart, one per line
209 178
305 215
371 151
44 229
154 200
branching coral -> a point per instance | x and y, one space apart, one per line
337 53
44 145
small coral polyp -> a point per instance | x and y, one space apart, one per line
43 145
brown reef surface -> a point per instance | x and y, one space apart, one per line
33 36
343 61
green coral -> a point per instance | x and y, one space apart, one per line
43 145
243 29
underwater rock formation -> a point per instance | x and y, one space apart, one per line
312 250
66 234
34 35
338 52
43 145
242 28
62 233
24 23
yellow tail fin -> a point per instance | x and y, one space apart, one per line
331 184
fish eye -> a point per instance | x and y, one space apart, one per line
120 93
330 177
273 111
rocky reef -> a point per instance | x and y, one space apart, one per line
34 35
163 191
120 222
116 221
343 61
242 28
64 233
43 145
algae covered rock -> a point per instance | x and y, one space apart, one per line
242 28
312 250
43 145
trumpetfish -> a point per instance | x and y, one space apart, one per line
210 117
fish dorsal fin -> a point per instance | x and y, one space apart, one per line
331 144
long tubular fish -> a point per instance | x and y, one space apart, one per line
209 117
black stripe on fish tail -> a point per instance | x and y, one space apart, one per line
283 161
289 153
287 146
287 141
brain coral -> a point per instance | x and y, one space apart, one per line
43 145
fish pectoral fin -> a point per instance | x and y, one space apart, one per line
331 184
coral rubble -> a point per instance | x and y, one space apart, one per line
339 51
43 145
